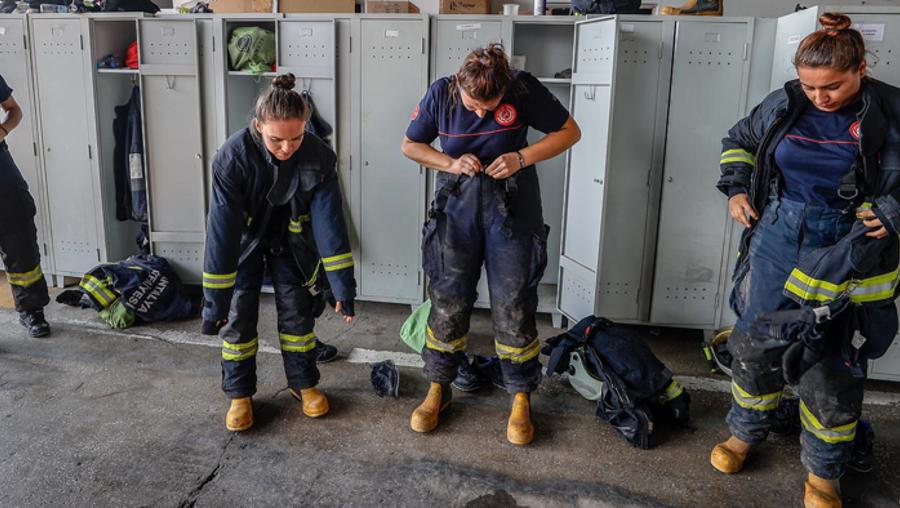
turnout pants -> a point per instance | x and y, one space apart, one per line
831 398
477 221
295 307
18 239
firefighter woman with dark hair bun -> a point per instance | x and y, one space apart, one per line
813 173
18 236
275 205
487 210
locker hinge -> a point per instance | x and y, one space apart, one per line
746 50
98 255
90 152
81 41
659 50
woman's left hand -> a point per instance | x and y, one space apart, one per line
504 166
870 220
339 309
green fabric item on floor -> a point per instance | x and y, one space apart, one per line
117 316
415 327
252 49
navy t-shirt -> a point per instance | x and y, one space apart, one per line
5 93
501 131
816 152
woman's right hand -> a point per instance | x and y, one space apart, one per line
466 164
740 208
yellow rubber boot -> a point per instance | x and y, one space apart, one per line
315 403
822 493
425 417
240 415
519 429
729 457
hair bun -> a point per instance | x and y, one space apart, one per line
833 22
285 81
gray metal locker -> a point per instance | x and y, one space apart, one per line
619 95
16 69
238 90
172 98
392 62
454 37
711 63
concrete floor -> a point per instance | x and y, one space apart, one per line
92 417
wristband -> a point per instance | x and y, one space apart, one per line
521 159
5 130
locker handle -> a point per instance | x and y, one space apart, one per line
592 95
170 82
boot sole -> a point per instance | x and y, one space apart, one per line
239 429
522 442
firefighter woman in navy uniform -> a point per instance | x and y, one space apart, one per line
819 159
487 210
275 205
18 236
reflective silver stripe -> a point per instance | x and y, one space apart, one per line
831 435
674 390
518 355
240 351
219 281
453 346
338 262
297 343
763 402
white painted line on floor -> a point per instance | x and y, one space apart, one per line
371 356
367 356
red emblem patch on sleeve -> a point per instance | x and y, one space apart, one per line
415 113
506 115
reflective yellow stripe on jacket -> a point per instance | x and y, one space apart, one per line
219 281
338 262
99 289
737 155
871 289
296 226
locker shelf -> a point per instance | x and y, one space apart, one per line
117 71
555 81
250 74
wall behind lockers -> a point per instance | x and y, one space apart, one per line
777 8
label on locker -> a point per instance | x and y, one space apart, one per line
795 39
305 32
870 31
168 31
627 29
468 26
393 34
713 37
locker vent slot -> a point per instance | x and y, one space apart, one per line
58 48
710 58
168 49
618 288
687 293
389 269
880 58
308 51
394 52
596 54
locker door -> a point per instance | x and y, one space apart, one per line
71 193
628 218
708 76
173 135
15 67
308 50
791 29
393 78
456 39
882 35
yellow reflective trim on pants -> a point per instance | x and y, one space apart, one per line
518 354
453 346
764 402
238 352
830 435
219 281
25 279
97 288
674 390
297 343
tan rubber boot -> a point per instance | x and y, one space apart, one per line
425 417
822 493
240 415
315 403
729 457
519 429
